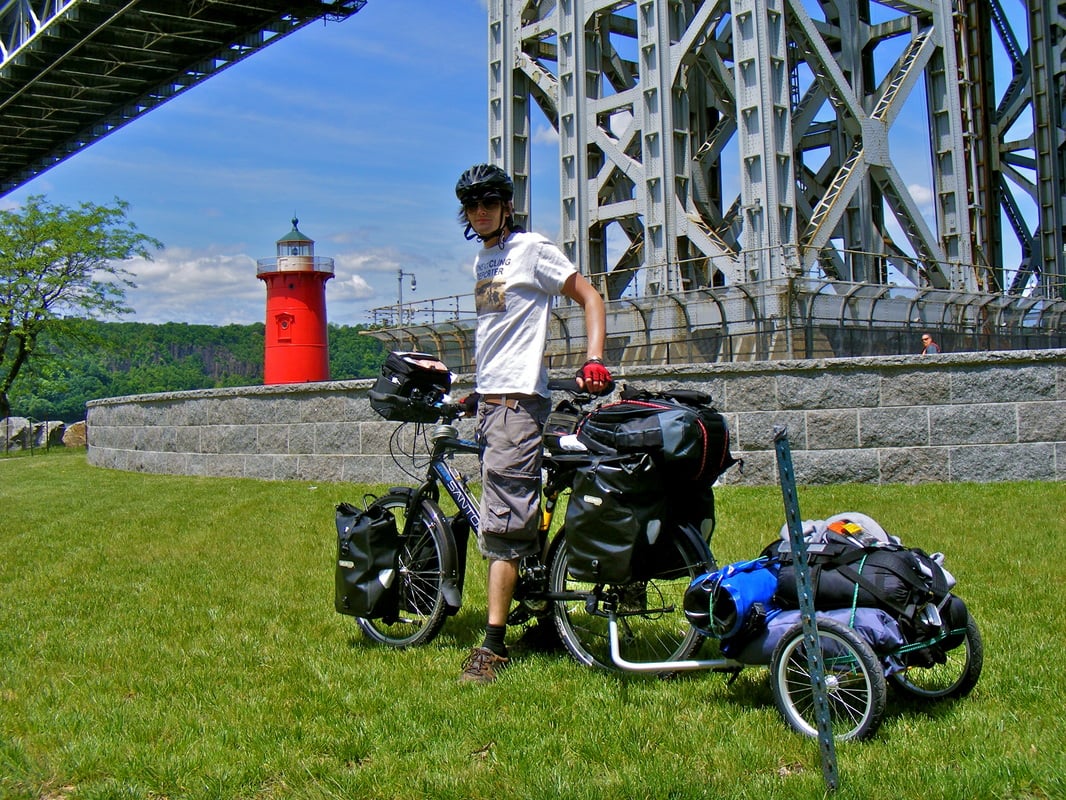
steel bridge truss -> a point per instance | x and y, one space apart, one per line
74 71
725 142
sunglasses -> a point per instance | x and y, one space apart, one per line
489 204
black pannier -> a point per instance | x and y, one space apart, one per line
409 385
615 515
682 432
655 460
367 550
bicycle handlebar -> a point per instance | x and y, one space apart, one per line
570 385
452 411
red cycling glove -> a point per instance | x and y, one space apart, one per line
593 371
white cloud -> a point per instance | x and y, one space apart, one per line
922 195
355 287
545 134
209 288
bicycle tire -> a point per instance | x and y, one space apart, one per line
956 677
419 575
855 682
659 633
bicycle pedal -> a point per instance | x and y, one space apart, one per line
519 615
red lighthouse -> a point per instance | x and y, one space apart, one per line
297 347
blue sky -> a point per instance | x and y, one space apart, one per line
358 128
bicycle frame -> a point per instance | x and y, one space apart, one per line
441 472
443 447
453 566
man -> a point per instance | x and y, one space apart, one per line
929 347
517 275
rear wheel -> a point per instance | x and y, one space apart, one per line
651 619
855 682
420 607
956 677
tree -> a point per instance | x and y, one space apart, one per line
57 261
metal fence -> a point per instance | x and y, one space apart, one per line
798 318
24 434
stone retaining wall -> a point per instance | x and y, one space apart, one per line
897 419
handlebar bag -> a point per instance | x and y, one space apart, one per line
367 551
408 387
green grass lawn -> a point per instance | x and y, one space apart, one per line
174 637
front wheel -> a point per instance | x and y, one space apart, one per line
956 677
420 606
650 613
854 678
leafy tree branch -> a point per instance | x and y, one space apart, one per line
57 262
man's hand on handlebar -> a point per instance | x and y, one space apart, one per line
469 404
594 377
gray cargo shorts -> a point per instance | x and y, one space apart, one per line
509 433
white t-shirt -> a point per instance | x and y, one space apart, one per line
514 289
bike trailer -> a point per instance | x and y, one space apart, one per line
898 599
853 563
409 385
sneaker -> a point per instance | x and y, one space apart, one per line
481 665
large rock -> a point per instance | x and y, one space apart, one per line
74 435
15 433
20 433
48 434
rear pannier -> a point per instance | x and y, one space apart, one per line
654 460
681 431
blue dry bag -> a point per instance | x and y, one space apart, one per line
723 603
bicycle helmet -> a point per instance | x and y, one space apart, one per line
484 181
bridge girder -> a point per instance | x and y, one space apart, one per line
734 141
74 71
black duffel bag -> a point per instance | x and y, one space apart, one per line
898 579
367 551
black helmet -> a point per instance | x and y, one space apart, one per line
482 181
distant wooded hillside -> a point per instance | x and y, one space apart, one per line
87 360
